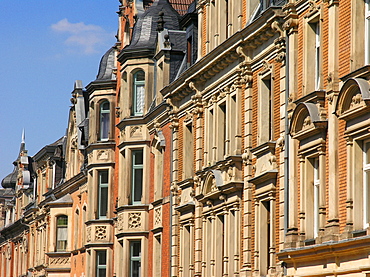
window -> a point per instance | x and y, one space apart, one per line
313 56
221 135
265 110
137 176
135 259
316 29
366 182
103 194
188 151
101 263
265 232
367 32
104 120
62 233
139 93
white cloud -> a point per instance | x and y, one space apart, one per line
81 37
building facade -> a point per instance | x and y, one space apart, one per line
219 138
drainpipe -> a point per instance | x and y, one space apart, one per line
286 152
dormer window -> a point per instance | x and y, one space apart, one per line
104 120
138 93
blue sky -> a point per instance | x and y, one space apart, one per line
44 47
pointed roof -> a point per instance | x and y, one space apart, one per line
11 179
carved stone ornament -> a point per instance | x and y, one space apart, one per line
101 232
88 234
102 155
158 216
134 220
120 222
59 261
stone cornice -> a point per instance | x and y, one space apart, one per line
225 54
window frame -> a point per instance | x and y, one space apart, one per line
101 186
135 167
104 114
98 266
135 85
57 228
134 259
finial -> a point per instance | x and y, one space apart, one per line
23 136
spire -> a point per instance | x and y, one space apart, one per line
23 136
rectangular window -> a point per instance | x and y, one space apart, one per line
313 56
137 176
101 263
265 237
316 28
135 258
188 151
265 110
103 194
62 233
366 182
222 125
316 196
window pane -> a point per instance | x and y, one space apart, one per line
367 152
138 157
138 181
135 253
103 201
140 76
139 98
62 220
104 126
103 177
102 257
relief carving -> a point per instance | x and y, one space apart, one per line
102 155
120 222
158 216
101 232
59 261
88 234
134 220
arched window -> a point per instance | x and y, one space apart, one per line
104 120
138 93
62 233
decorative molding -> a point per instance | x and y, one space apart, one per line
134 220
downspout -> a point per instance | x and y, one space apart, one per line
286 152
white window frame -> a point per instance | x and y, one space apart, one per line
316 196
317 55
137 108
366 189
104 136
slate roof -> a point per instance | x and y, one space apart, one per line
145 30
106 65
11 180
